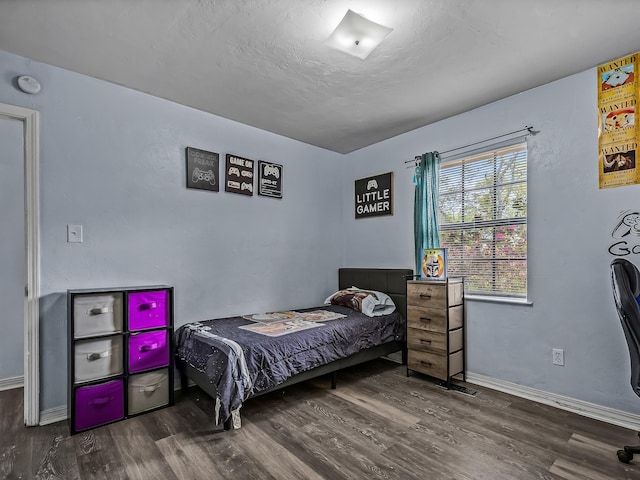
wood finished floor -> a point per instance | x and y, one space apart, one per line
377 424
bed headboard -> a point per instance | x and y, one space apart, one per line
392 281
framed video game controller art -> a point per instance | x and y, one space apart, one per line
269 179
239 175
203 169
374 196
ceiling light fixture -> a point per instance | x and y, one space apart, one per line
357 35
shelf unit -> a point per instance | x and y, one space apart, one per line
436 328
120 353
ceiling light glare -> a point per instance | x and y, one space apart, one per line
357 35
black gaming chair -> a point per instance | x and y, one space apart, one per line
625 279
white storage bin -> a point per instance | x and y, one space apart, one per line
99 314
148 390
98 358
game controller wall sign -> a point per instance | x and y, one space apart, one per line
202 169
239 175
269 179
374 196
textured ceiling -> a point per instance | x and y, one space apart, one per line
263 62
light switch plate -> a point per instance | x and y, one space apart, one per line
74 234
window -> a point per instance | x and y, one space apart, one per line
483 220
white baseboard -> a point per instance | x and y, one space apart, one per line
11 383
53 415
586 409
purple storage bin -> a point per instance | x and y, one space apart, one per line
148 310
99 404
148 350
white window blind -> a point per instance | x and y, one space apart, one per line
483 220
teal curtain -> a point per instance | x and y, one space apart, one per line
425 217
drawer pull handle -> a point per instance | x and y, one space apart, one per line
428 342
100 401
97 356
149 388
425 319
426 364
147 306
148 347
99 310
424 295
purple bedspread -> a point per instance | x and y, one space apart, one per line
241 363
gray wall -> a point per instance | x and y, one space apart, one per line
113 160
570 226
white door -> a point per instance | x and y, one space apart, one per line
12 252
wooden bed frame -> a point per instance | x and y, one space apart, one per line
393 282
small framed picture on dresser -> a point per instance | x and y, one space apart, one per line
434 264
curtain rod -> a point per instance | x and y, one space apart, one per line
525 129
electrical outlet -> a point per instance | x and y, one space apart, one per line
558 356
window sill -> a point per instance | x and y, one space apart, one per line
507 300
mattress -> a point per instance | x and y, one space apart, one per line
241 363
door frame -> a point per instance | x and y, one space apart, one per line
31 122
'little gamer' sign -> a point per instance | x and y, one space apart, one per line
374 196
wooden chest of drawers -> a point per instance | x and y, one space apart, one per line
435 328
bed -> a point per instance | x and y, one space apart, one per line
232 363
